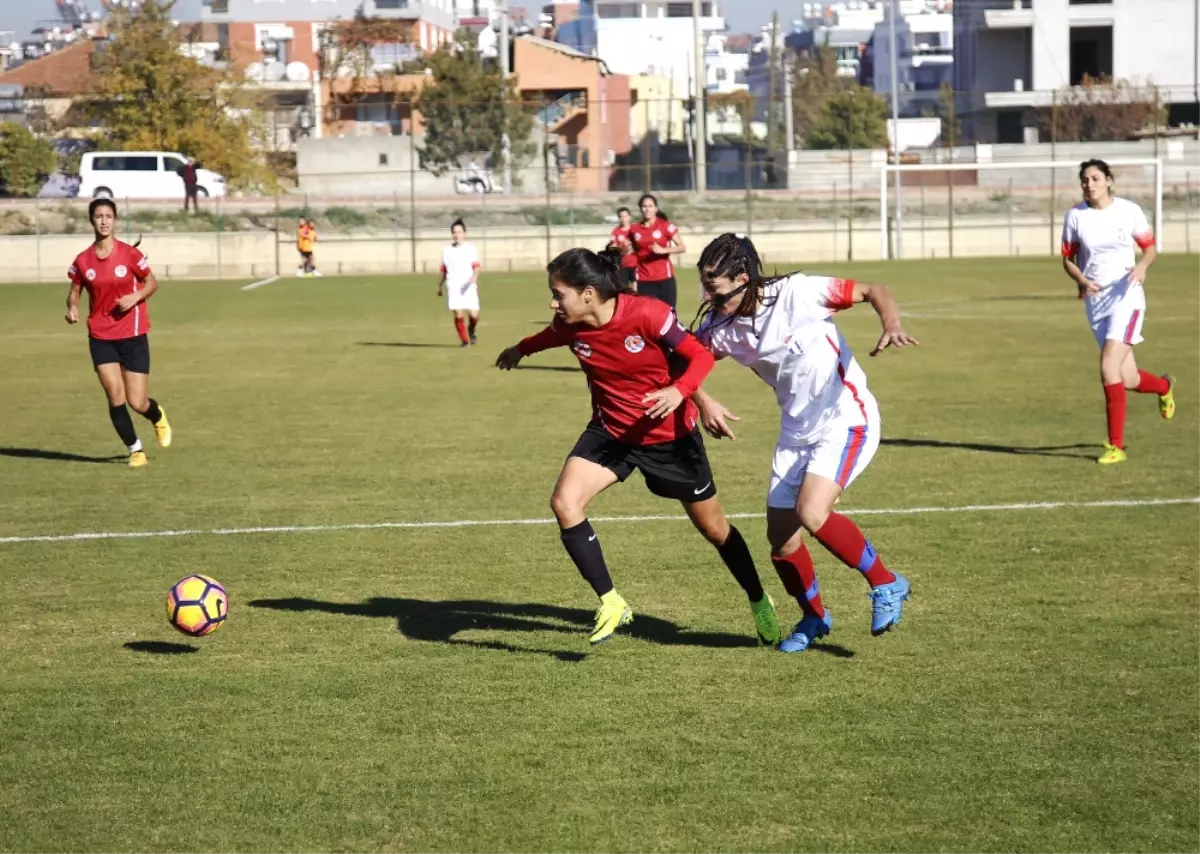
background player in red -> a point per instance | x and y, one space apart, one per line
643 420
619 240
118 281
655 239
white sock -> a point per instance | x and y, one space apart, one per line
135 447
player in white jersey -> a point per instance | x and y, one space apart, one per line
460 281
782 329
1099 236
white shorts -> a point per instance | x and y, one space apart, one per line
462 297
840 455
1123 322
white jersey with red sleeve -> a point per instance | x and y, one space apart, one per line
794 345
1102 241
459 264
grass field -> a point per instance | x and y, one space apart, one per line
431 688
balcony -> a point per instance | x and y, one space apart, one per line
1018 16
215 7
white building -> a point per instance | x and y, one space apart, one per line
725 69
1011 55
924 58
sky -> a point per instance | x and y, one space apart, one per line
23 15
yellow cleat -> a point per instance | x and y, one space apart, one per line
162 430
614 612
766 623
137 459
1166 402
1112 454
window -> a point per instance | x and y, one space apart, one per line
218 7
394 54
1091 53
383 160
173 164
145 163
684 10
391 4
619 10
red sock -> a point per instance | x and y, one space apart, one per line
461 328
473 323
1150 384
847 543
800 580
1114 405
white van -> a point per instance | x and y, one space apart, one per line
140 175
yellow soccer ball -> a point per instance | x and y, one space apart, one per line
197 605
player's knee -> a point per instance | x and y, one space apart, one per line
715 530
139 405
812 517
567 510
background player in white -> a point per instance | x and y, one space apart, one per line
781 328
1099 235
460 280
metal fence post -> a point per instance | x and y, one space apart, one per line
412 200
836 218
37 231
217 223
276 235
396 230
1187 207
923 215
1010 216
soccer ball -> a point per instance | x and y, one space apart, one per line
197 605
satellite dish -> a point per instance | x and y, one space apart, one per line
274 71
297 72
254 71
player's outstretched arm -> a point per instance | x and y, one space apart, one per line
510 358
881 299
550 337
714 416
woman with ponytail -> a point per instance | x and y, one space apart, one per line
655 239
643 420
782 328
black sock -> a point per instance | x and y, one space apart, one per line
736 555
472 324
152 414
123 424
583 547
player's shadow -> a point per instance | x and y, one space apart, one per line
1069 451
441 622
160 647
404 344
57 456
566 369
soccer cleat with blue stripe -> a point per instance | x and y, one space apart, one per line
810 628
887 604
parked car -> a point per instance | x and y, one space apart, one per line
141 175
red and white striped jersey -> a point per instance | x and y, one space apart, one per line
794 345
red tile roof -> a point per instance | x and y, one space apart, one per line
64 72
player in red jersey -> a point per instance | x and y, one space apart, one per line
118 280
642 420
620 241
655 239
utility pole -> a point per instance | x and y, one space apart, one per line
699 125
502 8
789 129
894 10
773 59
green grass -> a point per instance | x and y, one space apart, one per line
432 689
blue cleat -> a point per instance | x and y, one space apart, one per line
810 628
887 604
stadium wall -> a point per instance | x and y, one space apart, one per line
253 255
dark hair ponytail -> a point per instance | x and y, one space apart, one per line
458 222
582 268
659 212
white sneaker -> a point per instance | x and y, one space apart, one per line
317 273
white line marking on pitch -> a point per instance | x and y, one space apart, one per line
254 285
482 523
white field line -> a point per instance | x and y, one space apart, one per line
260 283
484 523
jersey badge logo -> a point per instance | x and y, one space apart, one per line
657 234
91 275
635 343
582 349
121 271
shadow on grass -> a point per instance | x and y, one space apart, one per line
160 647
58 456
1016 450
439 622
566 369
405 344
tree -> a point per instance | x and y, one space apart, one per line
814 80
150 95
25 160
1102 110
951 133
739 102
854 118
469 108
345 55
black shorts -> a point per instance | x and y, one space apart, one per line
630 275
305 256
663 290
133 354
677 469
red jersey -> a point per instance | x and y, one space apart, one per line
107 280
625 360
652 267
620 239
